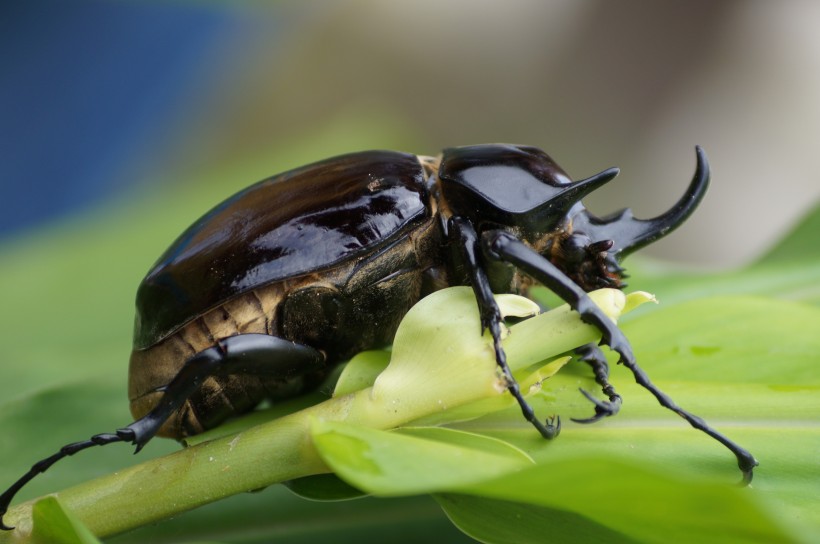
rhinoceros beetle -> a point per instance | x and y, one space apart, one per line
265 293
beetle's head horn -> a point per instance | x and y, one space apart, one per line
628 233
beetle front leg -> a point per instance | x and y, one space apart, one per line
594 357
503 246
467 239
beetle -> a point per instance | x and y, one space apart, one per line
265 293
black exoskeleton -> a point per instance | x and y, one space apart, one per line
263 295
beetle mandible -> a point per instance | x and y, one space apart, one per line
265 293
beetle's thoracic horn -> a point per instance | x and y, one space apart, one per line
543 215
583 187
628 233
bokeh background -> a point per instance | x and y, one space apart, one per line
122 122
104 100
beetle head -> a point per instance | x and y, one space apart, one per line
521 189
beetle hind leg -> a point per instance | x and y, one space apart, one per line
256 354
248 354
44 464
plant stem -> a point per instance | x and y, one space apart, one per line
282 449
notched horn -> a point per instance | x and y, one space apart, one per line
628 233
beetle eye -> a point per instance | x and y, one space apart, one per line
578 247
575 248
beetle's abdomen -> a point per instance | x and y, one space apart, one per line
218 397
355 306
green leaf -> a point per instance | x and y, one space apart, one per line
737 339
412 462
647 505
507 522
53 524
608 496
801 244
323 487
276 515
361 371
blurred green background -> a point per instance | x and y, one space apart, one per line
122 122
105 100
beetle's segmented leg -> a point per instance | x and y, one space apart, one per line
745 460
491 319
594 357
552 427
41 466
503 246
258 354
197 369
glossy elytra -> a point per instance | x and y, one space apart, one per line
264 294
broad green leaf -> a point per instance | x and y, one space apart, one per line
731 340
506 522
323 487
53 524
801 244
393 463
616 495
361 371
276 515
644 504
790 270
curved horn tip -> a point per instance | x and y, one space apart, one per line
703 163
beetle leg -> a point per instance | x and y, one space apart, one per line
259 354
467 240
503 246
592 355
44 464
256 354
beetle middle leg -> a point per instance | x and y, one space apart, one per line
503 246
594 357
255 354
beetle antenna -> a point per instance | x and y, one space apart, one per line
122 435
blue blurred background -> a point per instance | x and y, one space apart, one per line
100 100
92 93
